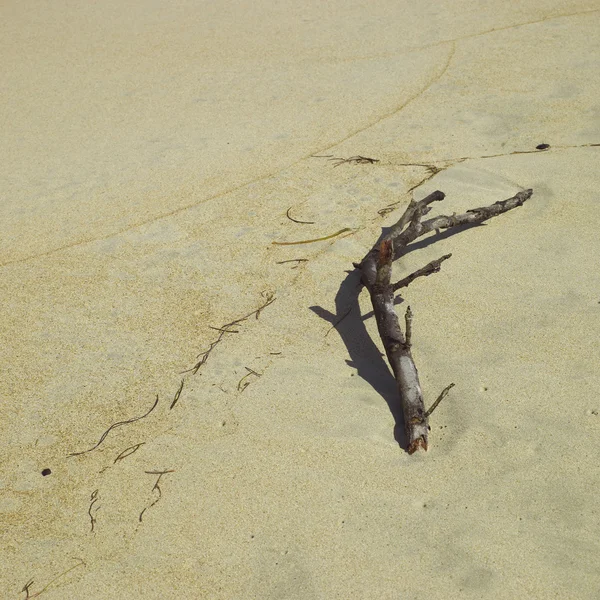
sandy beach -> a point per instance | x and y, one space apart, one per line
158 160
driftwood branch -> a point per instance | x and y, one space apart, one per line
376 271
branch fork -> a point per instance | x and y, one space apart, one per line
376 271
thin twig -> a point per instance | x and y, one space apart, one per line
433 267
432 172
177 394
128 452
223 329
439 399
26 589
241 387
45 588
287 214
114 426
408 316
282 262
269 299
93 500
320 239
357 160
156 488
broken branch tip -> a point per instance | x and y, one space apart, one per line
419 443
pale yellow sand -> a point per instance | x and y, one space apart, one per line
151 151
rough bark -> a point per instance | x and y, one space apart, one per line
376 270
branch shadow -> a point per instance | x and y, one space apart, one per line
365 355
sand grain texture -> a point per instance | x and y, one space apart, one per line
151 151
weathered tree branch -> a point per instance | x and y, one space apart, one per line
376 271
433 267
